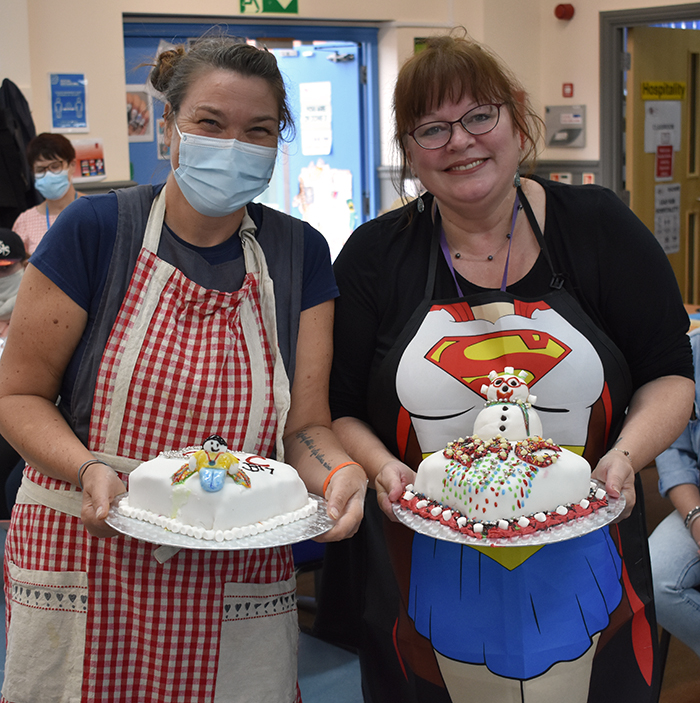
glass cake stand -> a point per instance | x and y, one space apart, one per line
299 531
558 533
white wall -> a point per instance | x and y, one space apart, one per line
38 37
14 46
569 54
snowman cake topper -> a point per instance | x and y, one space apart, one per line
213 462
508 386
508 410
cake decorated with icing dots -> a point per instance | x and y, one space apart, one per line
504 480
211 493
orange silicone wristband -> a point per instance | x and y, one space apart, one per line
332 471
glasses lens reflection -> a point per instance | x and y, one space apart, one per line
477 121
54 167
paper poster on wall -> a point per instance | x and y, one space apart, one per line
662 124
667 216
68 96
325 202
663 167
139 112
315 117
89 160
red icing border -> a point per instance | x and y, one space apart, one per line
491 530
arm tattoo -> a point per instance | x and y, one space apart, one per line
313 449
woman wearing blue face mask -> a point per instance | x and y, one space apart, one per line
221 311
52 159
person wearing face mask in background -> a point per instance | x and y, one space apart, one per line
198 293
52 160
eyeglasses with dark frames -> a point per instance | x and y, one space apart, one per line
54 167
477 121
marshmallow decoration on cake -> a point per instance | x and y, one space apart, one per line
505 475
214 494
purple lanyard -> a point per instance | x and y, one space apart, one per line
448 257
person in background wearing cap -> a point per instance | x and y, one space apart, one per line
13 259
52 160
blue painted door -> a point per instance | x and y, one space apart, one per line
318 176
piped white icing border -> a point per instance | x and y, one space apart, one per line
178 527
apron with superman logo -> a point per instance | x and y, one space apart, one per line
518 611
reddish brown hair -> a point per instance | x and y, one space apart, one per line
449 68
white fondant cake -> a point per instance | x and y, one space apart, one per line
505 474
489 481
216 495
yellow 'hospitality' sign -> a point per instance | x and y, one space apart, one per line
663 90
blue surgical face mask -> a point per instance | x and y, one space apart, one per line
220 176
53 186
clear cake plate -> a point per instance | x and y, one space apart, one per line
298 531
558 533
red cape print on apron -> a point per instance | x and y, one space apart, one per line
460 602
181 362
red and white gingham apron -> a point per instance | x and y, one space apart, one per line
118 619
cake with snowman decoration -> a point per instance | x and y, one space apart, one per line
211 493
505 480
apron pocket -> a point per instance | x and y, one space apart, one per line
259 642
46 637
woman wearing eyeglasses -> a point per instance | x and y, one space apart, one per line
52 160
490 269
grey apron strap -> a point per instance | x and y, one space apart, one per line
140 328
255 262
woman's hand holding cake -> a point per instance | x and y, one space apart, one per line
345 496
615 470
655 414
386 474
391 483
101 486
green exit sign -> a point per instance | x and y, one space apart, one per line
258 7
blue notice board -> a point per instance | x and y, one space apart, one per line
68 102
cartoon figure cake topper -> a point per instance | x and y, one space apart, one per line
213 462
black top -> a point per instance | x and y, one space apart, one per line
613 266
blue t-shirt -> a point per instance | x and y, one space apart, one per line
76 251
